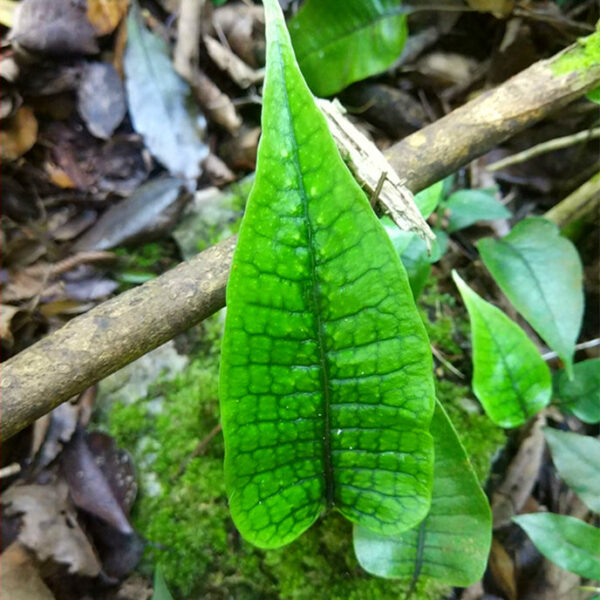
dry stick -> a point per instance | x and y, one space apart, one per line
480 125
549 146
584 200
108 337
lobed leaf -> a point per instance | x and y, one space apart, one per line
467 207
326 374
541 274
576 458
452 543
510 378
566 541
338 42
580 395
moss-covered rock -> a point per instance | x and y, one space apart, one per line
182 506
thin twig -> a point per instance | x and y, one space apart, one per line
445 362
583 346
549 146
198 450
10 470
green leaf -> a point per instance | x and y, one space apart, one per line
160 103
581 394
412 251
541 274
510 378
338 42
576 458
566 541
161 591
453 542
428 199
439 244
326 381
470 206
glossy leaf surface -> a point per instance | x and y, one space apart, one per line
338 42
540 273
566 541
453 542
326 374
580 395
467 207
510 378
576 457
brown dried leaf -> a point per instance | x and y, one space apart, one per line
101 99
520 477
105 15
50 528
7 314
20 579
499 8
19 134
54 27
503 570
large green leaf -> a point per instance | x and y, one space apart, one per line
580 395
541 274
453 542
576 458
470 206
510 378
326 375
428 199
338 42
566 541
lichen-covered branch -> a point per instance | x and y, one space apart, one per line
100 342
111 335
483 123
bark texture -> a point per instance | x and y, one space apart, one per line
100 342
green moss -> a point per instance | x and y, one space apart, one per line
585 55
182 507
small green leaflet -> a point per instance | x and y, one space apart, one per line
510 378
428 199
326 383
453 542
576 458
540 273
470 206
338 42
566 541
161 591
580 395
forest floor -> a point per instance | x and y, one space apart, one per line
122 487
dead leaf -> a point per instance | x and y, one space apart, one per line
521 476
7 314
503 570
18 134
7 12
102 483
54 27
20 579
160 103
101 99
49 526
105 15
147 213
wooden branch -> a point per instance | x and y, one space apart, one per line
113 334
480 125
100 342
